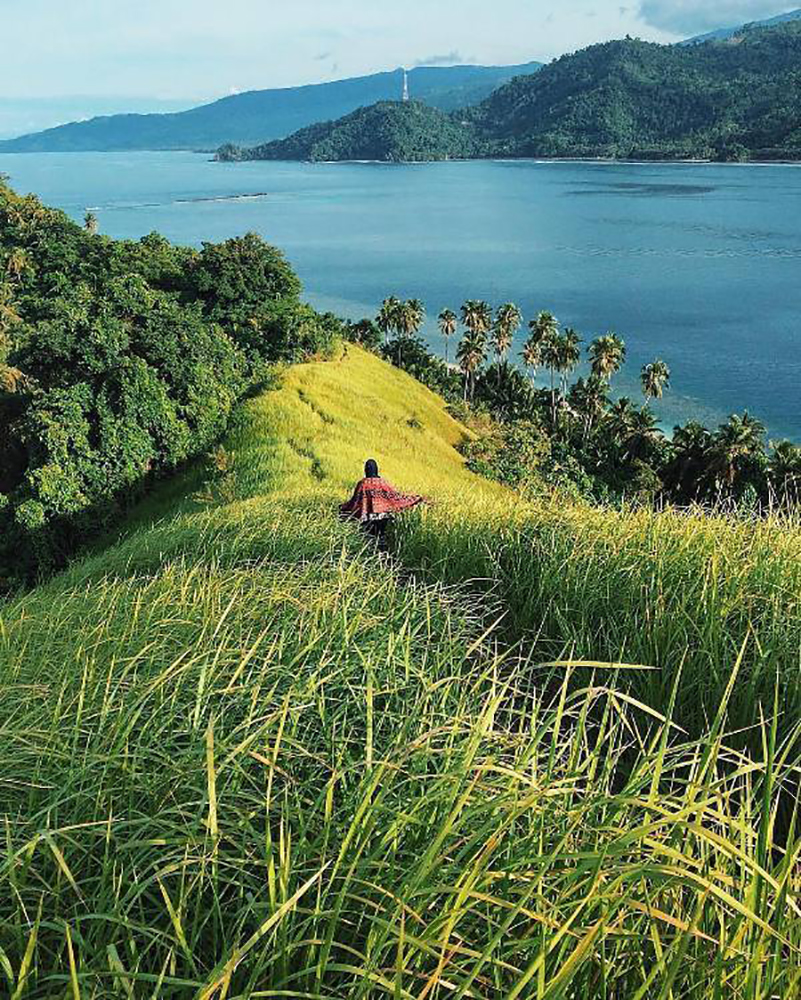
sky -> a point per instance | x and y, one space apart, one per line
66 60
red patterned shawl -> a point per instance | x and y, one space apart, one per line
376 499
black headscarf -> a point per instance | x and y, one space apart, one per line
371 469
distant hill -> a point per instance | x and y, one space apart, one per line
622 99
391 131
722 34
262 115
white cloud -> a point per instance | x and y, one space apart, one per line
689 17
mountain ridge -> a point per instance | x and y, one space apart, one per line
723 34
257 116
625 99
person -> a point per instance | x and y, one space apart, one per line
375 502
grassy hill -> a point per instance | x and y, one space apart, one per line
243 756
262 115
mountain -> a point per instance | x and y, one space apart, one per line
391 131
262 115
723 34
639 99
622 99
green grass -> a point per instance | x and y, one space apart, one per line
242 757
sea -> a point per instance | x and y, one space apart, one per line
697 264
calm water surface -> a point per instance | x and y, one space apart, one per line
697 264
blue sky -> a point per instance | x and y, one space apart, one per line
71 58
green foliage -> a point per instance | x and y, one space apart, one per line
391 131
122 360
728 101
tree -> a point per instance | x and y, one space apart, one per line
411 316
388 319
448 325
655 379
689 467
507 322
471 355
589 397
477 317
90 223
607 355
532 356
9 316
785 469
544 338
736 442
18 265
568 355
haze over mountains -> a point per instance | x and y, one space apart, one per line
262 115
721 34
624 99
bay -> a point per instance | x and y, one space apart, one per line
698 264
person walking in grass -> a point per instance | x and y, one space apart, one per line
375 502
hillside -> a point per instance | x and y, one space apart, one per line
242 754
391 131
635 99
261 115
622 99
722 34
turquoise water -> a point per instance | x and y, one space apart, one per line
697 264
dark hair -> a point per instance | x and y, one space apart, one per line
371 469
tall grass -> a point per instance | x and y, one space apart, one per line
242 757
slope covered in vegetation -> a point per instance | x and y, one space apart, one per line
243 756
260 115
730 100
119 361
391 131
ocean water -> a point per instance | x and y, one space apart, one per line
697 264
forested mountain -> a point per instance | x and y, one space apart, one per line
637 99
723 33
391 131
622 99
261 115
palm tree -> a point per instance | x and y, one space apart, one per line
691 449
643 435
90 223
785 467
569 355
507 323
590 398
607 355
448 325
544 337
477 317
737 441
388 319
411 317
655 379
620 421
471 355
532 356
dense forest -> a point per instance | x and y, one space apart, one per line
119 361
726 100
391 131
